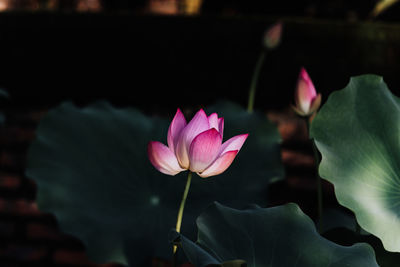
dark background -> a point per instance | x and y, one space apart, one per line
131 56
127 53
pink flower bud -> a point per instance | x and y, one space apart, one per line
196 146
272 36
307 99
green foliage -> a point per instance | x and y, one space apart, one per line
357 133
93 173
347 237
4 94
277 236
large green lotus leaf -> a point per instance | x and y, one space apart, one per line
357 132
278 236
93 173
339 218
348 237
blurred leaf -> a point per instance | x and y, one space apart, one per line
337 218
93 173
347 238
4 93
260 158
277 236
357 132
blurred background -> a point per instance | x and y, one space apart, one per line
120 49
158 55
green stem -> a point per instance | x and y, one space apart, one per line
182 206
180 213
254 80
319 182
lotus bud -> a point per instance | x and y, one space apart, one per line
272 36
306 97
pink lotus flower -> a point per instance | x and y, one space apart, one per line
196 146
307 99
272 36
